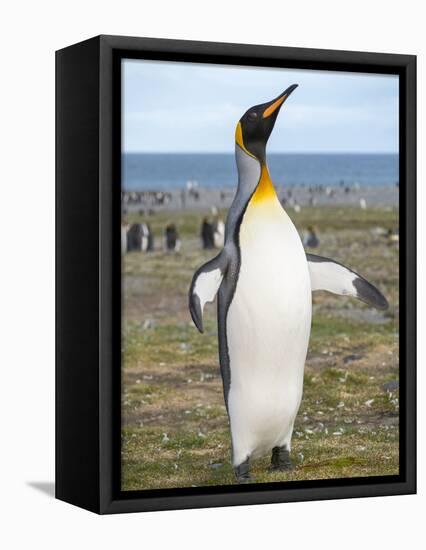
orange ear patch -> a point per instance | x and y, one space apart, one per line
239 139
239 135
274 106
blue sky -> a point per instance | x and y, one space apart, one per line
184 107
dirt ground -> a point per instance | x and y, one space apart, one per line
174 426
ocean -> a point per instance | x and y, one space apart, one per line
161 171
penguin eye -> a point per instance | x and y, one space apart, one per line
252 115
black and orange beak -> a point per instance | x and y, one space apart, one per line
256 125
275 105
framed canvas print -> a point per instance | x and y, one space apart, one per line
235 274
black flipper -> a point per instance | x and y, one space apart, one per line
326 274
205 284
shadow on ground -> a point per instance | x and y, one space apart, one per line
46 487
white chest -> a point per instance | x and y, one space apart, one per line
273 286
268 328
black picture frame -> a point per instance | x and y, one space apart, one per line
88 273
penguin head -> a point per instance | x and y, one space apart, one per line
256 125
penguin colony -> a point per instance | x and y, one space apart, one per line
264 280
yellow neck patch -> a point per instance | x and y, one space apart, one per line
265 189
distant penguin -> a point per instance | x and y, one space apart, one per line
150 244
207 234
311 240
218 232
392 237
124 231
134 237
172 240
218 229
264 281
144 237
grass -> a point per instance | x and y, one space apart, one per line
174 425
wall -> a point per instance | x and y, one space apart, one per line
30 33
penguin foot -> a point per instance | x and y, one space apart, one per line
242 472
280 460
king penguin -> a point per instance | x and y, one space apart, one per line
264 280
